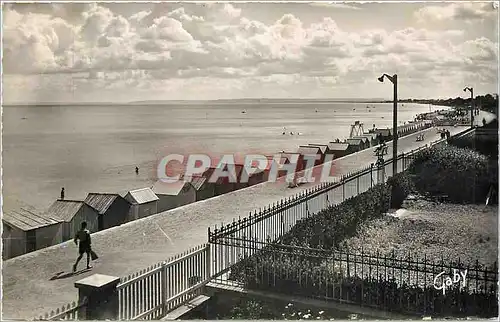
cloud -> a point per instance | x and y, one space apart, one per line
335 5
468 12
163 47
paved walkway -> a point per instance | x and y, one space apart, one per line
28 290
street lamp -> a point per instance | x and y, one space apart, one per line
394 81
471 90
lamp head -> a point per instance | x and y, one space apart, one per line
381 79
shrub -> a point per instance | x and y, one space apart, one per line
486 145
460 174
329 227
401 186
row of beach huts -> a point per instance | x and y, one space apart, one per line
26 229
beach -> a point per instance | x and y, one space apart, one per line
96 148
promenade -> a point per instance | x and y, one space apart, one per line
28 290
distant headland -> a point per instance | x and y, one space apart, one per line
486 102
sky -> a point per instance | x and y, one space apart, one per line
122 52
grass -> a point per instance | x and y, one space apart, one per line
468 232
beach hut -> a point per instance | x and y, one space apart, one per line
112 208
219 185
340 150
307 151
204 188
366 142
72 213
276 167
357 144
240 170
143 202
226 181
26 230
262 175
383 134
372 138
173 195
287 158
323 147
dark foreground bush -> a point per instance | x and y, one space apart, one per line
401 186
462 175
382 292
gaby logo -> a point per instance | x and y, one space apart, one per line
442 282
226 168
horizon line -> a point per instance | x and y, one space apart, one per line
167 101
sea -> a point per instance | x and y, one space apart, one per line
96 148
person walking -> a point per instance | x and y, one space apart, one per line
62 193
82 239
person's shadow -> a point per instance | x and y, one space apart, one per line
62 275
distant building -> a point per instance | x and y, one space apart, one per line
144 202
72 213
112 209
173 195
307 150
25 230
357 144
340 150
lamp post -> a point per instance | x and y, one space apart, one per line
394 81
471 90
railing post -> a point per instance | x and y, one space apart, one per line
209 261
164 292
101 295
343 188
381 173
371 175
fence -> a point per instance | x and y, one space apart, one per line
70 312
272 223
157 290
405 285
152 293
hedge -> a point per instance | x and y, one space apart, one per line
486 145
462 175
389 294
329 227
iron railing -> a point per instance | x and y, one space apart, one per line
406 284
